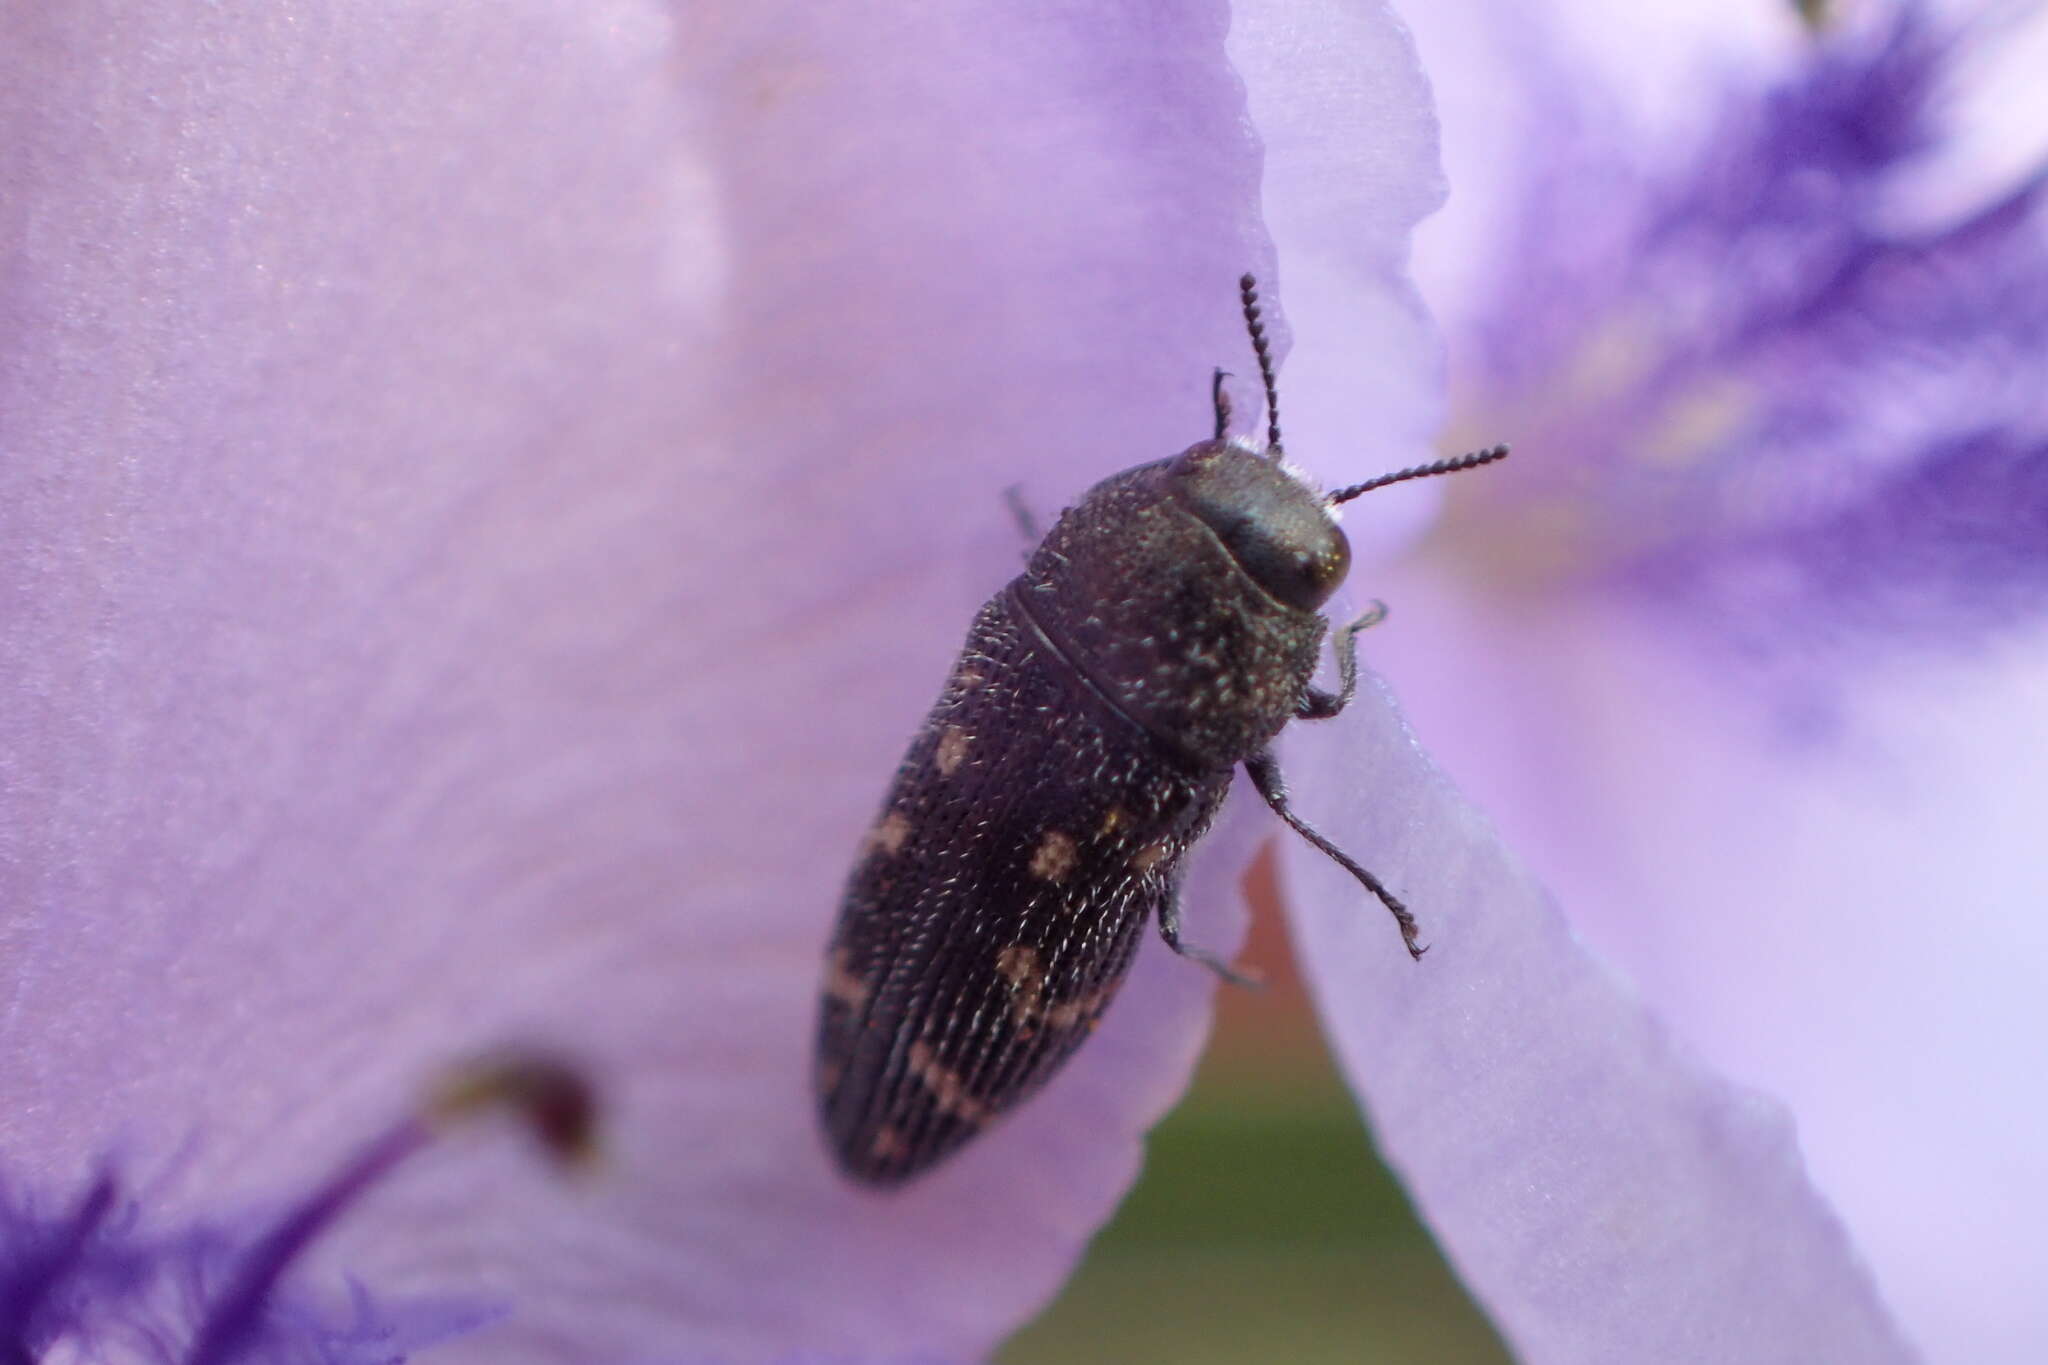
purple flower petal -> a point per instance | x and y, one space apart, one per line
1603 1193
1760 705
1344 114
485 502
1849 929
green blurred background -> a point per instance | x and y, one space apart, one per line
1264 1228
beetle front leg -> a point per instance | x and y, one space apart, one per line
1316 704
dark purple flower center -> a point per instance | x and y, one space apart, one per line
1755 391
213 1294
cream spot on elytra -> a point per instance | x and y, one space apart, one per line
889 836
1018 965
949 1092
1055 857
1082 1011
1151 855
952 751
840 982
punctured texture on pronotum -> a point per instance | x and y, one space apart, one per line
1163 633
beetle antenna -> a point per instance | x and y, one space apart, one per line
1453 465
1248 290
1220 396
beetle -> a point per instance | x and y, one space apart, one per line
1163 633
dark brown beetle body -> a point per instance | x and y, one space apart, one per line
1164 632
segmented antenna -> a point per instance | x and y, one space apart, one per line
1248 290
1422 471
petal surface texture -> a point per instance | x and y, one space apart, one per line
1742 651
1604 1194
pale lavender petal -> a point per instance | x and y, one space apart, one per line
487 496
1605 1196
1603 1193
1743 652
1853 930
1343 110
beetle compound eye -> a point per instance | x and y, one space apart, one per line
1302 577
1273 526
1317 572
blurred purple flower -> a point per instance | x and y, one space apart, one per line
1744 648
483 502
86 1282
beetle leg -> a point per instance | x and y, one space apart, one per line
1265 775
1169 929
1317 704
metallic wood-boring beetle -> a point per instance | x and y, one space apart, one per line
1164 632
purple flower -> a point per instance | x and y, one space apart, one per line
1743 648
87 1282
484 501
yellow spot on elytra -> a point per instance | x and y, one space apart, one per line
840 982
1055 857
1117 818
949 1092
952 750
1082 1011
890 834
1151 855
1018 965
